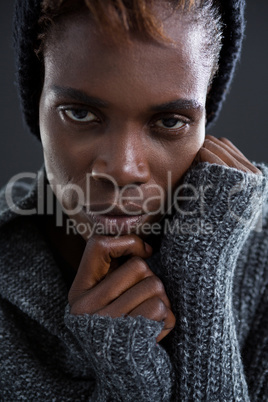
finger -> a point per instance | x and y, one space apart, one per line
205 155
225 156
112 287
148 288
230 148
170 324
252 167
97 257
155 309
231 145
235 153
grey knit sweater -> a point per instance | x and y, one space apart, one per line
216 279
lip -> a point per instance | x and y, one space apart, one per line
114 209
116 221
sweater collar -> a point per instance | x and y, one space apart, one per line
21 198
30 277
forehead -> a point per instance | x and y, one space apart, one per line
78 55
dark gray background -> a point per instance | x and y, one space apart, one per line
244 118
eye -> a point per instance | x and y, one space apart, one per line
80 115
170 122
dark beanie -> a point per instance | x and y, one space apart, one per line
29 70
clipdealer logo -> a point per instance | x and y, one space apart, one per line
185 201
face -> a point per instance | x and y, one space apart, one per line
121 124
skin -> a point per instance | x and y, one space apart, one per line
127 140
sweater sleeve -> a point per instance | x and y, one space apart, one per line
256 351
128 363
199 254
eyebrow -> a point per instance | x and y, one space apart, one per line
81 96
178 104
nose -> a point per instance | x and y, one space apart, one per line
123 157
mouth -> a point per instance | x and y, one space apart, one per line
115 210
114 220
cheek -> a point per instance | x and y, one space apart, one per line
182 155
59 159
59 154
49 138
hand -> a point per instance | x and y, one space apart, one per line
129 289
223 152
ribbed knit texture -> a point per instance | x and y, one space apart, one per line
29 70
217 283
203 267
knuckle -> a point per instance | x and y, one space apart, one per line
172 320
136 260
102 243
207 142
140 266
133 239
73 295
156 285
224 139
159 308
76 309
105 247
95 243
208 137
78 298
82 305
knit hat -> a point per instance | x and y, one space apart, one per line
29 69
